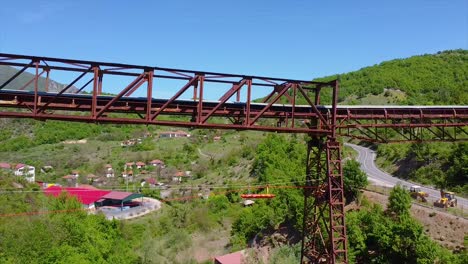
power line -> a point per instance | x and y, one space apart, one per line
172 187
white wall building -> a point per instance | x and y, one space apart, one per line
29 172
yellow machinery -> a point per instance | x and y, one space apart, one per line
415 192
447 199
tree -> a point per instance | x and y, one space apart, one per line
399 201
375 237
354 179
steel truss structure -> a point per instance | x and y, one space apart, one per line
290 106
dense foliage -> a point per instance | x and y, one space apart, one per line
393 236
354 179
68 236
438 79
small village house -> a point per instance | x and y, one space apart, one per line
75 174
173 134
140 164
126 174
151 182
129 165
178 176
157 163
109 171
29 172
5 166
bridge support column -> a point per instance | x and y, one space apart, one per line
324 231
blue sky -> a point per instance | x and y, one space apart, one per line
290 39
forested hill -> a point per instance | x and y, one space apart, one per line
430 79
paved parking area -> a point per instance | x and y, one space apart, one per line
148 205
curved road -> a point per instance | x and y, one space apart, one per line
367 157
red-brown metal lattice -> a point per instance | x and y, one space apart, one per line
279 111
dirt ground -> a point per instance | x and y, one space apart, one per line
211 244
445 228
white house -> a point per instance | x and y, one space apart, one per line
140 164
157 163
75 174
178 177
109 171
26 170
174 134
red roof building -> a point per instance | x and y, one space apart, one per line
156 162
233 258
140 164
87 186
151 181
86 196
5 166
117 195
19 165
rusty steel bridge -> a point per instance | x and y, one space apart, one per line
291 106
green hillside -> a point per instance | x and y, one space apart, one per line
430 79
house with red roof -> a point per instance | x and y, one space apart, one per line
5 166
86 196
179 176
152 182
126 174
140 164
157 163
129 165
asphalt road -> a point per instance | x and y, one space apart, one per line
367 157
